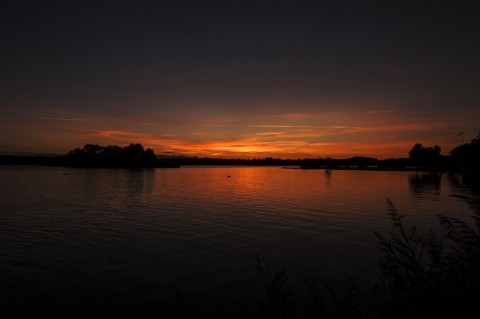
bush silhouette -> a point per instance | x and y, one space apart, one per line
92 155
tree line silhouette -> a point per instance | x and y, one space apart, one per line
93 155
463 158
425 156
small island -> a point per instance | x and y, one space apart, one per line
462 159
113 156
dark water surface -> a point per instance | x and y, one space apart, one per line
100 238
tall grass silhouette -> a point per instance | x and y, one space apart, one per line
426 274
421 275
278 293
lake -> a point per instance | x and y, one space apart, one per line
103 239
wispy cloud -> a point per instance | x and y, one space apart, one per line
58 118
277 126
377 133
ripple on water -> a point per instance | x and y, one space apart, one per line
117 234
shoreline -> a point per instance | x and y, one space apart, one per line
373 169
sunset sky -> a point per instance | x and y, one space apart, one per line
247 79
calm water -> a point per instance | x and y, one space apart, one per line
104 238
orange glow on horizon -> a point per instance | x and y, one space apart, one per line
380 134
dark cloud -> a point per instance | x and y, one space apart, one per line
204 59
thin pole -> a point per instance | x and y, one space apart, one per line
462 151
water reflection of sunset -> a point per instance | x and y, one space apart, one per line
305 194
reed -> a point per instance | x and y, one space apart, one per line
278 293
427 274
421 275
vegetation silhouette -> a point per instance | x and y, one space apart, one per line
466 157
463 158
92 155
429 157
422 275
427 275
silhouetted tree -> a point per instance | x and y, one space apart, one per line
149 157
469 154
425 156
415 154
132 156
